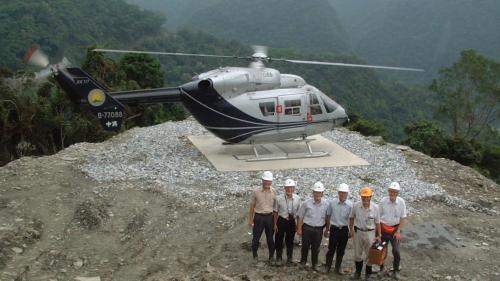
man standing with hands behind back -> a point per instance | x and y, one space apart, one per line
312 218
260 215
338 226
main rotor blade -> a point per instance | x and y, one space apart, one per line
164 53
349 64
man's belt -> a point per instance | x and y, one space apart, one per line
315 227
363 229
264 214
340 227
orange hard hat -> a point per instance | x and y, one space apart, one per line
366 191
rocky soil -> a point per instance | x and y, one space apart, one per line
146 205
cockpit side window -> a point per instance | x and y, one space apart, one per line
267 108
330 105
292 107
314 106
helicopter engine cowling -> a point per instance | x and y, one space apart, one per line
231 82
291 81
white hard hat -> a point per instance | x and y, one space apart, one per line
343 188
319 187
267 176
289 182
395 186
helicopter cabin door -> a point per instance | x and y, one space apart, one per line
315 113
292 112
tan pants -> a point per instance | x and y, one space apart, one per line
362 243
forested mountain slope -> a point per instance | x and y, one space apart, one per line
307 25
426 33
63 27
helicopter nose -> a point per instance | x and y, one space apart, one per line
339 116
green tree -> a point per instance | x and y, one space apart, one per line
469 93
427 137
367 127
143 69
491 161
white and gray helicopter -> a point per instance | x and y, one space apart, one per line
249 105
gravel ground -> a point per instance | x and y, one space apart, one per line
146 205
161 156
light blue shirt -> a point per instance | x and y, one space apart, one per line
339 212
314 214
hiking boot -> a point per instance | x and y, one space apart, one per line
368 272
357 273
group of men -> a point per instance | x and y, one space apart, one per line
338 219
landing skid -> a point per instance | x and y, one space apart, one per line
277 151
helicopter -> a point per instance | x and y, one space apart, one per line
240 105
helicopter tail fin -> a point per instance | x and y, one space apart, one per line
80 86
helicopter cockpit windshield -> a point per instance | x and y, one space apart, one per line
330 105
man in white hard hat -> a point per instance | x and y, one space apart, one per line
312 219
392 219
338 226
286 208
260 216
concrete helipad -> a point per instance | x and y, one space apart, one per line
232 157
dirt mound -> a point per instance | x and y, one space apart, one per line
91 213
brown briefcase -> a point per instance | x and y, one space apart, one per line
377 255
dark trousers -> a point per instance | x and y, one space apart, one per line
395 249
263 223
336 243
311 239
286 230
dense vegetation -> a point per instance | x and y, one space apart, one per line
66 28
469 110
428 34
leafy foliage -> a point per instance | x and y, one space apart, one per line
427 137
63 27
469 94
366 127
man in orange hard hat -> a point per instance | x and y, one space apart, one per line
364 226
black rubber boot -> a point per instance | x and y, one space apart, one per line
368 272
279 255
328 265
338 262
357 274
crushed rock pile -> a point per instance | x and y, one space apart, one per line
161 157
